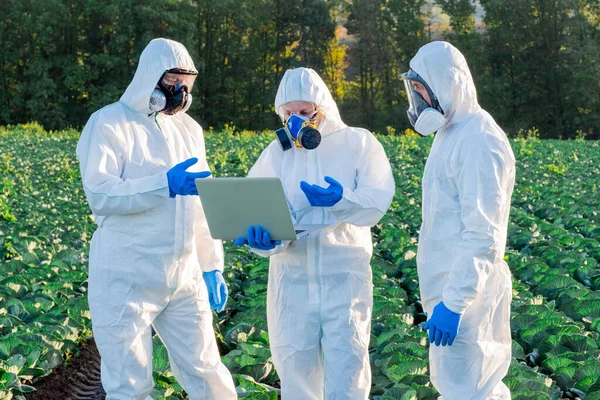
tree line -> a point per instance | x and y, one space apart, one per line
536 63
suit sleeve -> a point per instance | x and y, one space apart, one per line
99 150
484 188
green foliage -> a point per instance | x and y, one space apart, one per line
553 253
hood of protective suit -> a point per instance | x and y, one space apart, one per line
159 56
445 70
304 84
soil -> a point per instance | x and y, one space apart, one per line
79 379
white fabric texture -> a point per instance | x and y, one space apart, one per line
467 187
320 288
149 251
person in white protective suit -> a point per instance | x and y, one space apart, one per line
320 288
467 186
152 243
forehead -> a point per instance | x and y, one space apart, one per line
297 106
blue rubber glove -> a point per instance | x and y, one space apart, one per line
217 289
258 238
181 182
443 325
319 196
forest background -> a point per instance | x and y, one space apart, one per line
536 63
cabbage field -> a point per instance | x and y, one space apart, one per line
553 252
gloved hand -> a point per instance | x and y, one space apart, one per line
258 238
443 325
319 196
217 289
182 182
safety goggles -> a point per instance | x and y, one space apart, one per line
176 77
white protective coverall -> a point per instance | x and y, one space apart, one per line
467 186
320 288
149 251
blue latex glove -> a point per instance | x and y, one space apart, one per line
258 238
217 289
181 182
319 196
443 325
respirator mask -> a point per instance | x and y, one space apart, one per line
173 92
425 118
299 131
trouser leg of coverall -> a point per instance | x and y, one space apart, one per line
185 327
346 319
294 334
125 347
300 371
474 366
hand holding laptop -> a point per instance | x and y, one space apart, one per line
257 238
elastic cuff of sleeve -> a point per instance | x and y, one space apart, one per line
454 305
204 271
344 203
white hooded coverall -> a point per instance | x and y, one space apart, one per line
320 288
467 187
148 252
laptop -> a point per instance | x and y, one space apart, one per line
231 205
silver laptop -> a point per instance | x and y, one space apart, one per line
231 205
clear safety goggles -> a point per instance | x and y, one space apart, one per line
416 102
176 77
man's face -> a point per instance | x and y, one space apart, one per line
422 91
